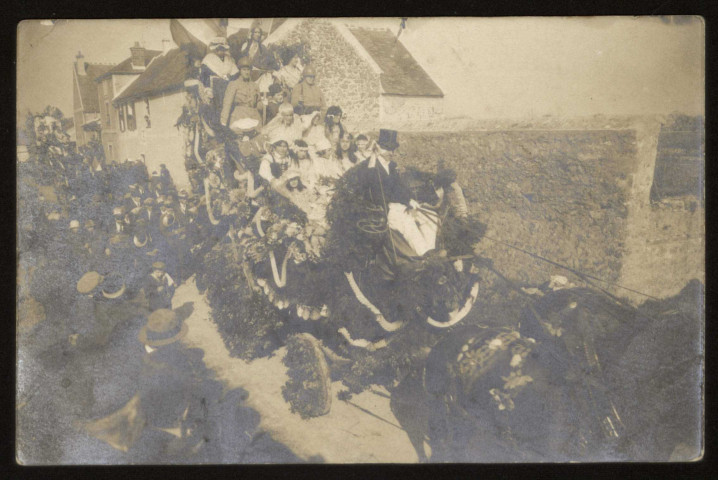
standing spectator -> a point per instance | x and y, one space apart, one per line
306 96
241 97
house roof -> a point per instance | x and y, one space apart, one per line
88 88
125 67
165 73
401 73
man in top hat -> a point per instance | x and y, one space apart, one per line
307 97
412 228
241 97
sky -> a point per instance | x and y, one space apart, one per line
487 68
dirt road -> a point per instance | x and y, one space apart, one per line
363 431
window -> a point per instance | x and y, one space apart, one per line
148 122
108 114
130 114
121 112
106 85
110 153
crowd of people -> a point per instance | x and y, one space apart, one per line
102 248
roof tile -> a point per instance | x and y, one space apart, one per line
402 75
166 72
88 88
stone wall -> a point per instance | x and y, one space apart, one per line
344 77
562 195
396 111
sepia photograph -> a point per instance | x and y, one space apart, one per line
360 240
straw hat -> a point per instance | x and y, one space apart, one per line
162 328
244 125
88 282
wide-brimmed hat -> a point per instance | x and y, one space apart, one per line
163 328
159 266
74 224
218 43
89 223
387 139
244 125
113 286
88 282
118 211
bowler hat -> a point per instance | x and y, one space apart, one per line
387 139
162 328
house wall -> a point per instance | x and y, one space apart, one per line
105 92
162 142
344 77
396 111
77 114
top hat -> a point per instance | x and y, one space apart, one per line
387 140
162 328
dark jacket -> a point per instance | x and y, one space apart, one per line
381 187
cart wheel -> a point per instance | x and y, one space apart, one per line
308 389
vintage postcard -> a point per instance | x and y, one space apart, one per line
352 240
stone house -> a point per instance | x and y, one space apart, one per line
366 71
85 99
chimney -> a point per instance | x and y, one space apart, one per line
165 45
80 64
138 55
